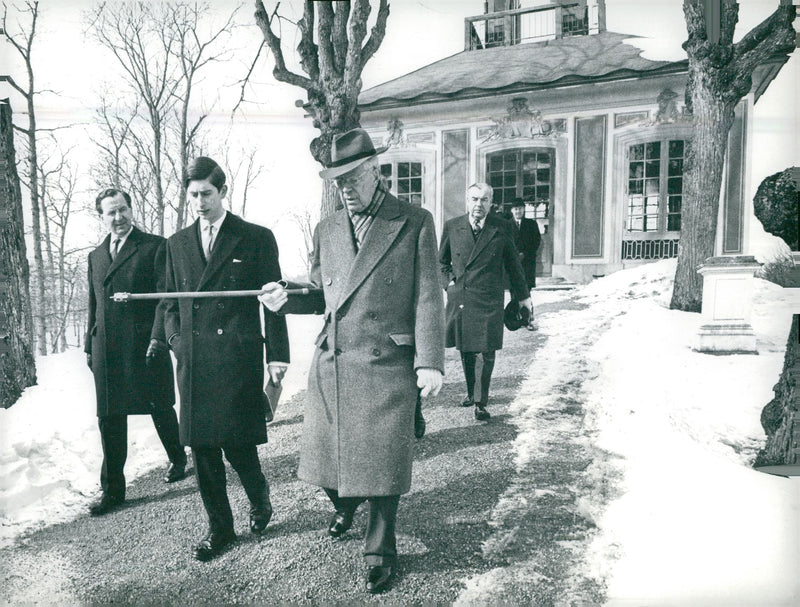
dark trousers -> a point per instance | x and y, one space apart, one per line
380 543
210 471
469 361
114 438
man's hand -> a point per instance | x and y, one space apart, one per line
527 303
89 360
276 372
429 381
273 296
154 350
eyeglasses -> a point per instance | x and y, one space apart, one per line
350 180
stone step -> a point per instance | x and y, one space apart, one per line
553 283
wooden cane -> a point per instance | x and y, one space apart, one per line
122 296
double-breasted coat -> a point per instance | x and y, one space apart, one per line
384 319
527 239
119 333
218 342
475 267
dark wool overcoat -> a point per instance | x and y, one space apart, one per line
475 267
218 342
384 319
527 239
119 333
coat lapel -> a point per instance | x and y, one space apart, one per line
382 233
227 240
339 235
127 250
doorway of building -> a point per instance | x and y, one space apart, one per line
527 173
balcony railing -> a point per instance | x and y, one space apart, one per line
525 25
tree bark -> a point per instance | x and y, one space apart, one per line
17 365
720 74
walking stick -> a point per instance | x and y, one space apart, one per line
122 296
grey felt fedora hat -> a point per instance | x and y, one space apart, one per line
349 150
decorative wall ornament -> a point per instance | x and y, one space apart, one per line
427 137
626 118
394 137
521 122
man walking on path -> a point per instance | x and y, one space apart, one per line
132 374
219 345
527 239
475 250
374 274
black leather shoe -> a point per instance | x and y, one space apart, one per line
378 578
213 545
481 414
260 517
175 472
467 402
419 425
105 504
340 523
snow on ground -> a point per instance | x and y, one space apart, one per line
681 517
50 454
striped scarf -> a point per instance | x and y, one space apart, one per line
363 220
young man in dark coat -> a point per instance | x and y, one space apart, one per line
219 347
132 375
375 279
475 250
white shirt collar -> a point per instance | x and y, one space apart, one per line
204 223
121 239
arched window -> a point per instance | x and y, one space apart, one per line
526 174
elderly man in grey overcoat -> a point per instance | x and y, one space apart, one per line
375 274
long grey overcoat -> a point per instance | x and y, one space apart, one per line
475 267
219 344
384 319
119 333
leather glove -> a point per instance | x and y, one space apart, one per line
154 350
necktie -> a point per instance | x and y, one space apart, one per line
210 242
476 229
115 249
361 222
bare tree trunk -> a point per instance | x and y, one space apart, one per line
720 74
18 369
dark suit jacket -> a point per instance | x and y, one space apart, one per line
474 312
218 343
119 333
527 239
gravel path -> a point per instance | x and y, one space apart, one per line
457 533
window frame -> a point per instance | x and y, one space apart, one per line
531 206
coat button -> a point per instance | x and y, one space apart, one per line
388 280
461 307
219 331
376 351
328 281
373 315
195 332
196 306
337 351
220 305
339 316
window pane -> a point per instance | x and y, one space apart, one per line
652 168
635 186
416 184
386 170
636 170
675 185
509 180
653 150
676 166
416 169
496 180
543 192
402 169
651 187
527 178
543 175
637 152
402 186
528 192
676 148
496 163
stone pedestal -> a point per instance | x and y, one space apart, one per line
727 305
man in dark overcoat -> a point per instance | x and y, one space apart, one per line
526 238
376 280
220 347
475 250
131 375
